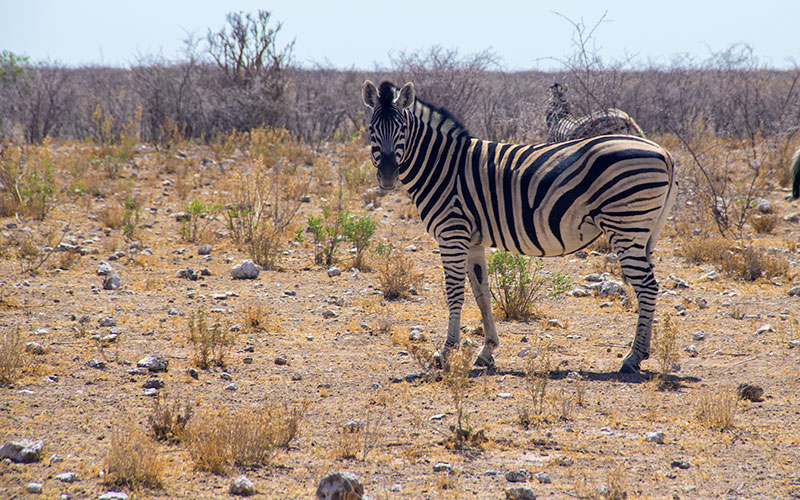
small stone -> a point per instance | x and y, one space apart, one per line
354 425
96 364
397 488
172 312
154 363
593 278
504 395
329 314
767 328
247 270
680 464
701 302
193 373
563 460
794 291
578 292
242 486
66 477
23 451
151 392
218 296
764 206
34 488
750 392
154 383
281 360
442 467
340 485
699 335
438 416
518 475
334 271
41 331
680 309
112 282
108 321
709 276
543 477
794 343
655 437
232 387
226 376
411 248
104 268
679 283
34 348
520 493
692 350
204 250
247 360
554 323
188 273
113 495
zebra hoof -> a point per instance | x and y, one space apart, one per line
629 367
488 363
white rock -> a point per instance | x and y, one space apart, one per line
247 270
241 485
767 328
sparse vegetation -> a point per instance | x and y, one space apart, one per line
12 351
211 343
537 377
517 281
665 346
396 272
133 460
168 421
717 409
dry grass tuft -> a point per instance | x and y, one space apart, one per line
255 317
133 460
750 263
168 422
396 273
665 348
700 249
717 409
12 349
764 224
249 436
537 376
211 343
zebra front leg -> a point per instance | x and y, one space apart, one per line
454 260
476 268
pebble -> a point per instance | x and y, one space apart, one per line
247 270
564 460
767 328
691 350
701 302
679 283
232 387
152 392
66 477
334 271
154 363
794 291
34 488
442 467
112 282
555 323
709 276
41 331
204 250
108 321
505 395
699 335
96 363
520 493
188 273
23 451
193 373
113 495
281 360
411 248
518 475
242 486
680 464
226 376
34 348
655 437
104 268
329 314
438 416
340 485
578 292
154 383
543 477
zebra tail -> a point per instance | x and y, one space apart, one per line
672 191
795 172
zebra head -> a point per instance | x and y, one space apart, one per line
387 128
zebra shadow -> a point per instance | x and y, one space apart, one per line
670 382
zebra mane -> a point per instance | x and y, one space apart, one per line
388 90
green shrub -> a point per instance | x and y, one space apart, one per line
516 281
327 231
359 230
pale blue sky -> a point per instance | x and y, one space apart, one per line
524 34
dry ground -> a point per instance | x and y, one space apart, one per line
353 366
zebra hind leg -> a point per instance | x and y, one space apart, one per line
478 279
638 270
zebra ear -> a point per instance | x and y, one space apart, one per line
406 96
369 93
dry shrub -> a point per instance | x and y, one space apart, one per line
168 422
255 317
764 224
12 348
248 436
750 263
537 376
665 348
396 273
211 343
700 249
113 216
133 459
456 379
716 409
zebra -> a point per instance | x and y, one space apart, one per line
562 126
540 200
795 174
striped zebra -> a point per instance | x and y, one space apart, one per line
562 126
544 200
795 174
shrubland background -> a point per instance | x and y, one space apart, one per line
231 144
